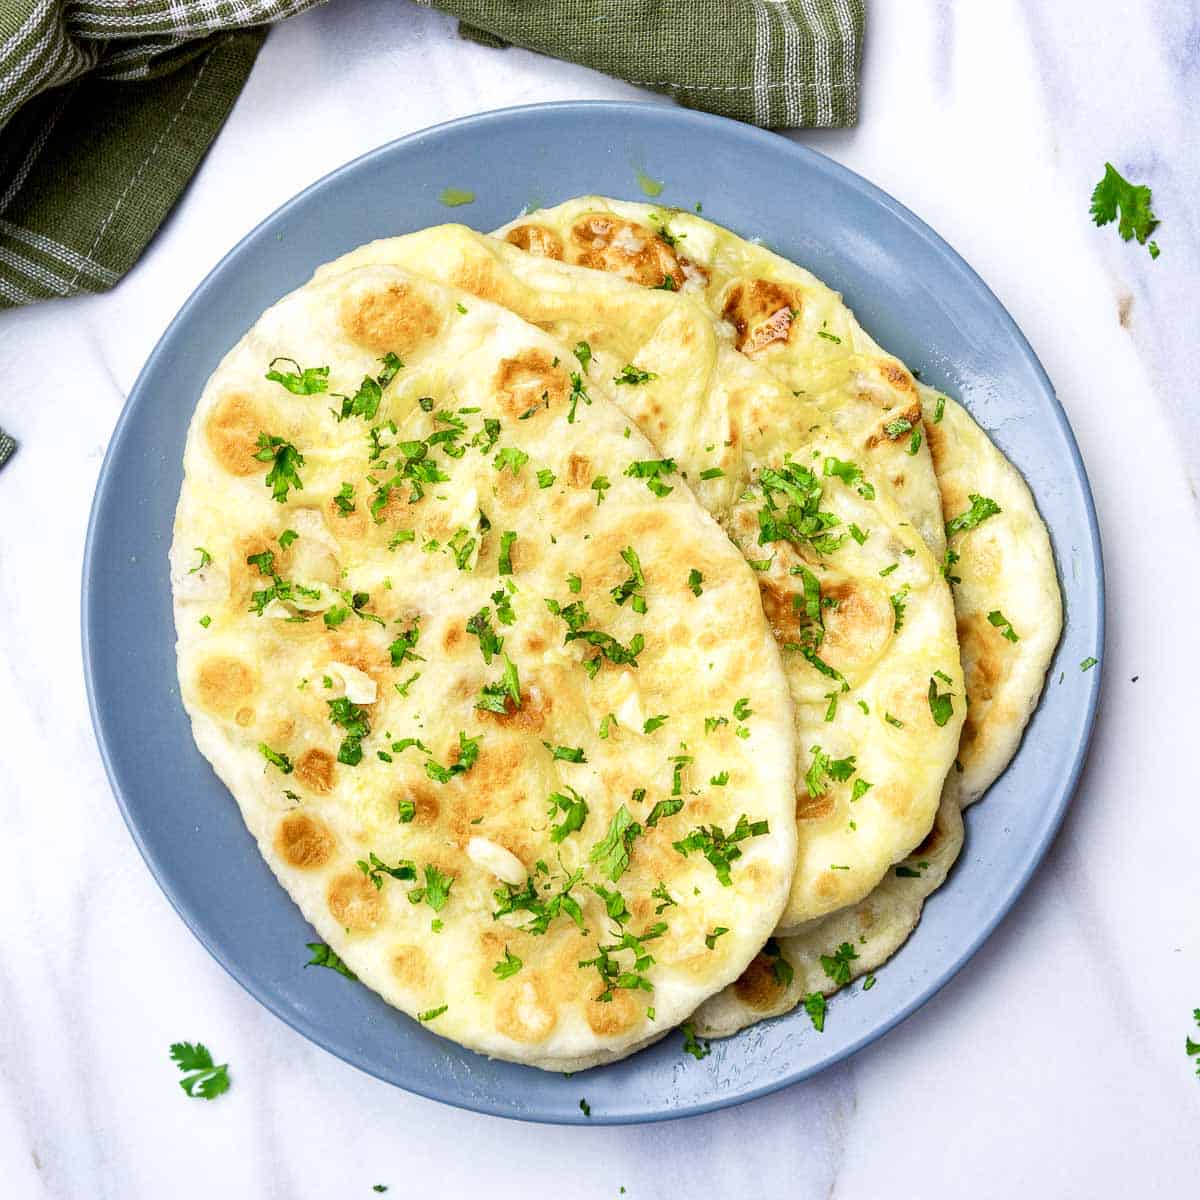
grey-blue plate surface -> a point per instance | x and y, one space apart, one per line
910 289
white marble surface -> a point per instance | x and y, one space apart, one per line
1053 1064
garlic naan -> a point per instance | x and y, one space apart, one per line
851 591
456 661
1007 600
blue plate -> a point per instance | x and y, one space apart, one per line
908 287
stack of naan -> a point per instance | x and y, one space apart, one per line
596 628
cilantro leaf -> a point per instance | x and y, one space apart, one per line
612 851
696 1047
285 461
325 956
275 758
997 619
652 470
814 1005
304 381
574 809
202 1078
981 508
508 966
1114 192
941 705
633 375
837 964
436 891
719 848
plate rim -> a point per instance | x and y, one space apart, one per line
811 160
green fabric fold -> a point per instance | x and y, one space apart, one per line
106 109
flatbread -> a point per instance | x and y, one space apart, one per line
521 845
1006 583
780 315
862 689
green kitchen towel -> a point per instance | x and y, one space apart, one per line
107 106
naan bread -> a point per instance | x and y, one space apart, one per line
1006 585
790 969
536 847
860 606
780 315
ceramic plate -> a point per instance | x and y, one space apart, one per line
909 288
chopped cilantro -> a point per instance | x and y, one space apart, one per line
374 868
1001 622
436 889
600 485
632 589
504 565
345 500
430 1013
205 559
710 939
203 1079
814 1005
851 475
837 964
666 900
504 695
696 1047
275 758
574 809
633 375
583 352
1115 192
1088 663
325 956
513 459
651 471
508 966
941 706
545 477
304 381
285 461
612 851
653 723
468 755
981 508
719 848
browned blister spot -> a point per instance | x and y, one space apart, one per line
355 902
529 718
982 647
895 376
315 768
579 470
529 381
392 319
813 808
635 252
857 628
536 239
303 841
911 415
224 682
232 430
526 1013
607 1018
762 313
411 968
757 986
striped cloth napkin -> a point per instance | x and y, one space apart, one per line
108 106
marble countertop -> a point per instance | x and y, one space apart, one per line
1052 1065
